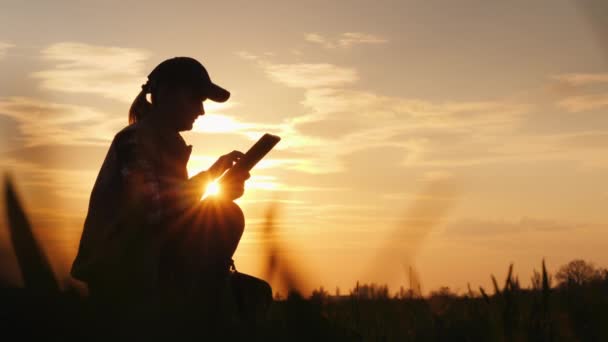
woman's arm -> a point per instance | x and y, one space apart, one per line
196 185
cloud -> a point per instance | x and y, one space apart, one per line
4 47
247 55
109 71
586 140
437 176
45 123
328 128
339 121
303 75
580 92
581 79
362 119
352 38
310 75
317 38
345 40
371 107
476 227
485 227
427 132
587 148
581 103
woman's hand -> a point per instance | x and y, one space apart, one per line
234 186
224 163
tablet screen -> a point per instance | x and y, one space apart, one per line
255 154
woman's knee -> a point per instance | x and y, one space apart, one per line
223 224
223 213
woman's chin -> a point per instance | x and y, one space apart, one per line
186 127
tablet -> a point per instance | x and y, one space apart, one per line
254 154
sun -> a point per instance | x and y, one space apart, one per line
212 189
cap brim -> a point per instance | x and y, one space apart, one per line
216 93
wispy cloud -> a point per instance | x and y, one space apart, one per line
339 121
580 92
377 110
110 71
352 38
427 133
303 75
4 46
583 103
344 40
345 121
45 123
581 79
483 228
311 75
247 55
586 140
434 134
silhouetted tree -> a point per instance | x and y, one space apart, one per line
576 273
319 295
443 291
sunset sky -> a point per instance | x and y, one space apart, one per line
453 136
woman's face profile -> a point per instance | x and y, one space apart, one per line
182 105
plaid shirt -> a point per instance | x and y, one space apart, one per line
141 190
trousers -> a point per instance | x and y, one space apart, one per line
196 257
195 285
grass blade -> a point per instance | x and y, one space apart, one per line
35 267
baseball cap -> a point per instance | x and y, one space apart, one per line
188 71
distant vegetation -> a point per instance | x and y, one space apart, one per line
574 309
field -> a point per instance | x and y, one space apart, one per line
569 313
575 308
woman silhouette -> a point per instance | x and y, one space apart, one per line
147 236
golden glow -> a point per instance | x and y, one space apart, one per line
198 163
216 123
212 189
267 183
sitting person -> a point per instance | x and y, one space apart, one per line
150 245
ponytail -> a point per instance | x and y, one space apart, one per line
140 106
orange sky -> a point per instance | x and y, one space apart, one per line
456 138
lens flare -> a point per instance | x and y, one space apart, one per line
212 189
